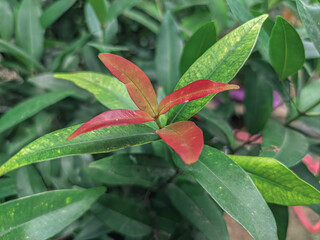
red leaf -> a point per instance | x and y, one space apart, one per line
193 91
112 118
185 138
137 83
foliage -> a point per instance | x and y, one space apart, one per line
113 177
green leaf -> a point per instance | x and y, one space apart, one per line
55 11
168 52
133 169
120 6
281 215
143 19
242 13
233 190
20 54
258 101
55 144
29 108
309 99
6 27
285 48
103 48
198 43
310 18
124 216
101 9
92 21
108 90
277 183
198 208
219 63
7 187
29 181
29 33
283 144
43 215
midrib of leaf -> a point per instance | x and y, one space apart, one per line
268 180
285 47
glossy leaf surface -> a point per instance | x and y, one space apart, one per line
258 101
199 209
107 90
112 118
310 18
168 53
285 48
219 63
277 183
233 191
43 215
30 107
130 169
198 43
29 33
309 99
185 138
283 144
125 216
54 11
6 27
55 144
193 91
137 83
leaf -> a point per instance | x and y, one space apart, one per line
242 13
137 83
168 52
143 19
101 9
130 169
283 144
185 138
92 21
198 208
30 107
55 11
43 215
277 183
7 187
233 191
20 54
29 33
281 215
285 49
258 101
112 118
6 27
193 91
219 63
120 6
108 90
309 99
198 43
55 144
310 18
124 216
310 50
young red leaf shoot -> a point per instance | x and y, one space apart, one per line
193 91
137 83
185 138
112 118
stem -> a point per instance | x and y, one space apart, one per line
157 120
304 113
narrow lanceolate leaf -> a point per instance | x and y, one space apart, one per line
6 27
193 91
285 48
233 190
198 43
30 107
112 118
219 63
277 183
55 144
185 138
43 215
107 89
284 144
310 18
199 209
130 169
137 83
100 7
